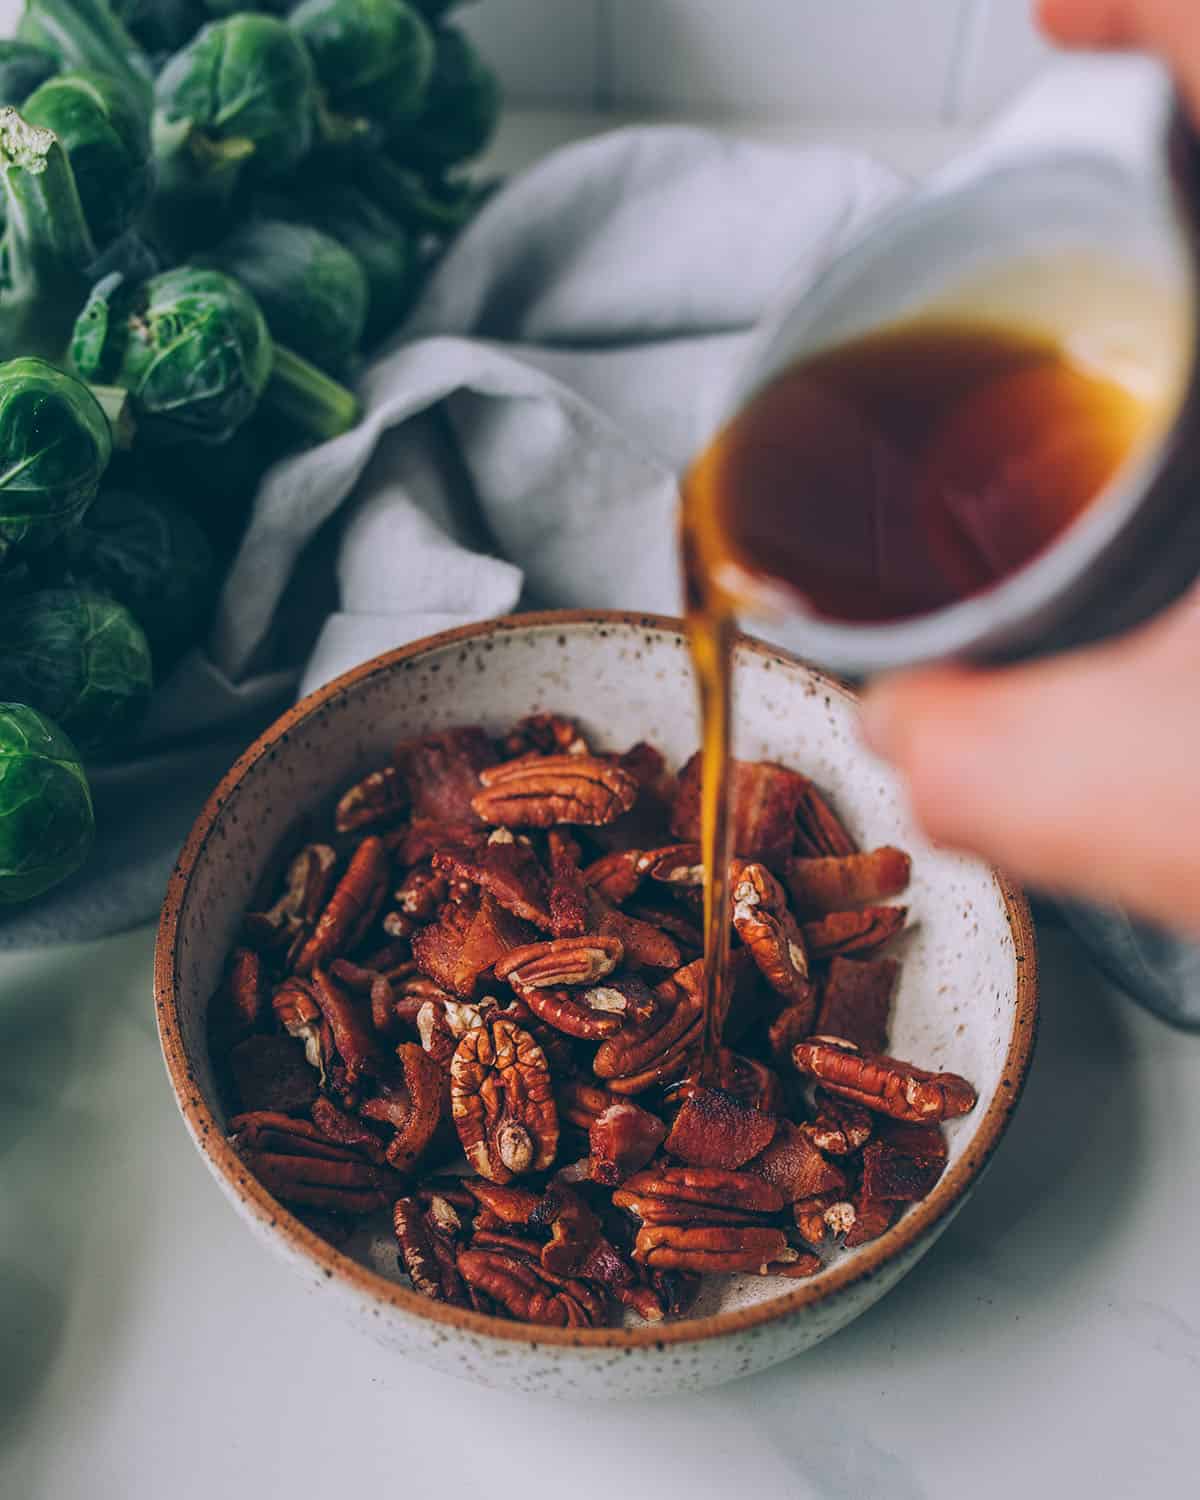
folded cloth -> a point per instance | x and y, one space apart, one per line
520 444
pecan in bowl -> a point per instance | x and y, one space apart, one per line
443 1046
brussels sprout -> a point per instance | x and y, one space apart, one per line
86 35
192 349
107 142
78 657
54 447
379 244
46 820
438 208
237 103
461 107
47 247
434 10
373 58
312 292
150 556
22 67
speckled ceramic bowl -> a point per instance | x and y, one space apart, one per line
967 1000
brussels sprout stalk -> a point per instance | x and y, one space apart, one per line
47 241
307 397
87 34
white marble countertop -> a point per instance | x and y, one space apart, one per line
1049 1344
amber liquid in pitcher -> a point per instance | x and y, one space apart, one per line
881 479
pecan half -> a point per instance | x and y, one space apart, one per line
820 886
675 864
624 995
856 1001
661 1048
561 961
768 929
502 1102
336 1125
885 1084
616 876
572 1226
819 831
427 1254
714 1248
853 931
297 1011
572 1016
606 1266
356 1047
415 1114
239 1008
681 1195
351 909
554 789
287 924
295 1163
840 1128
528 1291
373 802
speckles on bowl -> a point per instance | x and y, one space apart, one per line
966 1000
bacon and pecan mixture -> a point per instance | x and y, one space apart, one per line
474 1007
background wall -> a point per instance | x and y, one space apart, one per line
916 62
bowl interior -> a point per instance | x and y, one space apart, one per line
625 680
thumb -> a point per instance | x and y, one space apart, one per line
1073 774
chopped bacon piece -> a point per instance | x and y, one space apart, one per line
441 772
507 870
905 1162
568 893
856 1002
764 800
713 1129
622 1139
794 1165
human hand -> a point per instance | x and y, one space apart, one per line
1170 28
1079 774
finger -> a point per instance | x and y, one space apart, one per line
1073 774
1166 27
1119 23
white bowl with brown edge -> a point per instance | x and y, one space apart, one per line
967 1000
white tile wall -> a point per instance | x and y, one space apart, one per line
915 62
856 59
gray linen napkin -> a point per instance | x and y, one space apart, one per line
520 445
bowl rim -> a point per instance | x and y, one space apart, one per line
273 1218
